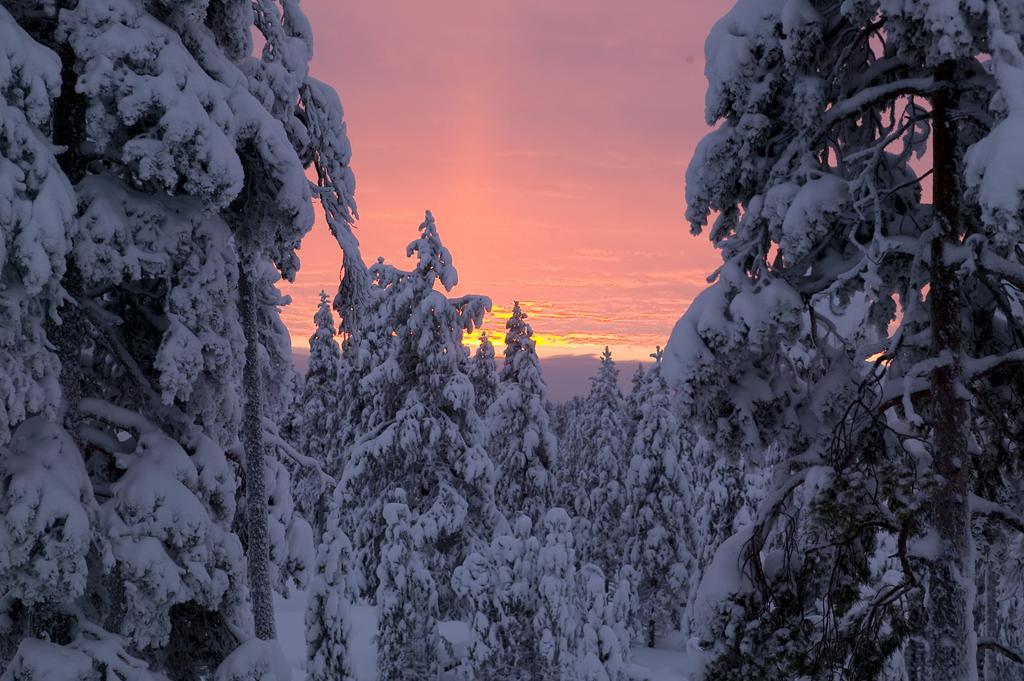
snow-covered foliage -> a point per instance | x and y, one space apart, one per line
408 645
49 514
93 655
537 615
420 431
328 620
605 608
860 331
659 534
168 548
522 443
599 469
151 165
37 208
557 608
501 583
483 374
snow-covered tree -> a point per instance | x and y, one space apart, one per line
865 335
557 615
501 584
599 468
569 434
522 443
483 373
408 645
37 209
49 516
153 178
605 608
659 536
328 613
320 414
419 430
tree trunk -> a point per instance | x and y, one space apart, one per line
257 520
70 335
991 622
949 634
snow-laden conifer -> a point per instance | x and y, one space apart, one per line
321 412
558 609
419 430
483 373
659 520
599 468
501 583
328 612
408 646
522 443
847 331
180 155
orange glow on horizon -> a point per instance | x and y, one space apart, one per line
550 141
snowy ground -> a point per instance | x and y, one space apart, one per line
664 663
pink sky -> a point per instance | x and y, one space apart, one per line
549 139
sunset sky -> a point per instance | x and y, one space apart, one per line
549 139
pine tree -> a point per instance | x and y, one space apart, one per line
153 171
419 431
408 646
328 616
523 448
659 506
569 433
36 223
483 374
321 412
604 609
501 584
557 608
599 468
827 242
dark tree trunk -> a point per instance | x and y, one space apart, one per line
257 520
950 625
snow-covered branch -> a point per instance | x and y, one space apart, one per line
996 647
297 456
990 509
869 97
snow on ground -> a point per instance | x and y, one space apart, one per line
667 662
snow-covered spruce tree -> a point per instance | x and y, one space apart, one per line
408 645
557 617
37 207
140 357
483 373
603 638
328 619
419 429
501 584
599 469
633 400
320 413
161 117
522 443
569 433
831 256
720 507
658 518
